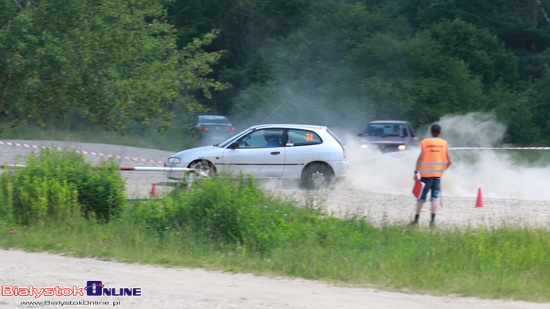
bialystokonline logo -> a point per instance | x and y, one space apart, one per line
93 288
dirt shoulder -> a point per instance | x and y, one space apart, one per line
199 288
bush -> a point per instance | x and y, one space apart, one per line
227 211
60 186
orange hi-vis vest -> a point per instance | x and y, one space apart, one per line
434 162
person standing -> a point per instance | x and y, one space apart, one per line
432 162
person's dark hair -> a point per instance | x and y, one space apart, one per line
435 129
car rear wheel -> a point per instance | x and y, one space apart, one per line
204 166
317 176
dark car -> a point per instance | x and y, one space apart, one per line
388 135
214 128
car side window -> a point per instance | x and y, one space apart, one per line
302 138
262 139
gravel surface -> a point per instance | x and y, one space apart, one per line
381 199
202 289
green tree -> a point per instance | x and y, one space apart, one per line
480 50
244 26
413 79
112 60
524 26
519 112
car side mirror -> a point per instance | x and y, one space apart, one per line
234 145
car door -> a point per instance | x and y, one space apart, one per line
302 147
260 154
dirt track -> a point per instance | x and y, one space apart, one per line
201 289
185 288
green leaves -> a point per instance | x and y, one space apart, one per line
113 60
60 187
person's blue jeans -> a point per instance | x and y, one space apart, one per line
433 184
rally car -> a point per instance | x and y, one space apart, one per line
311 153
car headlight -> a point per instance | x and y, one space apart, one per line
174 160
364 146
401 147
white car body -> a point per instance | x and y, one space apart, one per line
296 147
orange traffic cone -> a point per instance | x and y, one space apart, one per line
479 202
154 190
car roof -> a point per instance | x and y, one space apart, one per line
390 121
287 126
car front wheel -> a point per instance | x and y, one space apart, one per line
206 167
316 176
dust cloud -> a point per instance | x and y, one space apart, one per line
494 171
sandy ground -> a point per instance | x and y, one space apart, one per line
196 288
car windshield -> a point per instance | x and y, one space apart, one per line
204 120
386 130
232 139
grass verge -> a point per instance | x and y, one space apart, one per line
234 226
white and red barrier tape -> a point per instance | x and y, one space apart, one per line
162 162
81 151
499 148
133 168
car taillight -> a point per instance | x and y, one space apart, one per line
205 129
344 151
230 129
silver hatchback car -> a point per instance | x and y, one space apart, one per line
313 154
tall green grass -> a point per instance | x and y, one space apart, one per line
233 225
60 186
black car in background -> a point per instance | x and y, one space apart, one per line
214 128
388 135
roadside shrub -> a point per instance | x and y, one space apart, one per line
227 211
6 196
60 186
101 191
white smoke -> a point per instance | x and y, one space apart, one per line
494 171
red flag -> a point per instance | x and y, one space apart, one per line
418 188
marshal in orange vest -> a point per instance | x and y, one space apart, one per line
434 161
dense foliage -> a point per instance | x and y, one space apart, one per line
60 187
343 63
337 63
110 61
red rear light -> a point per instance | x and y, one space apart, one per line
344 150
200 128
205 129
230 129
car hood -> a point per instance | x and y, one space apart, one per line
199 152
385 140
